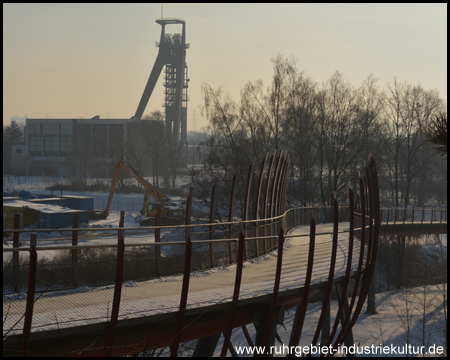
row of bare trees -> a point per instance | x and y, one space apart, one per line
329 129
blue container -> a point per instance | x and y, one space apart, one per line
80 202
25 194
58 220
51 201
44 196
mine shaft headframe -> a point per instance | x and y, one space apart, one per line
164 22
164 57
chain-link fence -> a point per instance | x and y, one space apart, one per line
75 274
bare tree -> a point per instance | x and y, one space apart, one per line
408 109
436 133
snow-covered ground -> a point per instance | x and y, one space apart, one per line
405 317
390 327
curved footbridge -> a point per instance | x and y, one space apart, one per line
63 318
251 276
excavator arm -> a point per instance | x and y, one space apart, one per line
150 189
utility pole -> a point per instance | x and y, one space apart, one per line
193 120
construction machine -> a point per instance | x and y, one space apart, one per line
153 197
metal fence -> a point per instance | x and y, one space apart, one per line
85 278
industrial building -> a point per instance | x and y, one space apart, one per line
89 147
83 147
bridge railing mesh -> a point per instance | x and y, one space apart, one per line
151 271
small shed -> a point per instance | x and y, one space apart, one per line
80 202
43 216
51 201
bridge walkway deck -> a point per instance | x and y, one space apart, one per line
71 308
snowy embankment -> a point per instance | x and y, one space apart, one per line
404 317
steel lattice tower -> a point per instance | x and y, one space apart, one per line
172 54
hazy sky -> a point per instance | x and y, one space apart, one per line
82 60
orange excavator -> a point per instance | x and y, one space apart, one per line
153 197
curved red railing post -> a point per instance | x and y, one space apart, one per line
278 186
258 195
247 336
276 287
330 274
279 192
117 285
373 244
358 275
266 196
281 186
272 196
183 300
16 244
230 216
157 239
188 230
247 199
212 216
348 269
297 331
32 268
186 276
284 203
237 288
75 252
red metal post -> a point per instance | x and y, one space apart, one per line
296 331
75 252
157 239
348 269
237 288
276 287
361 258
184 293
247 199
30 295
283 207
330 274
212 216
276 188
188 214
266 196
230 216
373 245
272 196
186 276
117 285
247 335
16 244
258 196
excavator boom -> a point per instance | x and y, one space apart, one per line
150 189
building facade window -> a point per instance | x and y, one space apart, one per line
51 144
66 129
34 129
50 129
65 145
35 144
